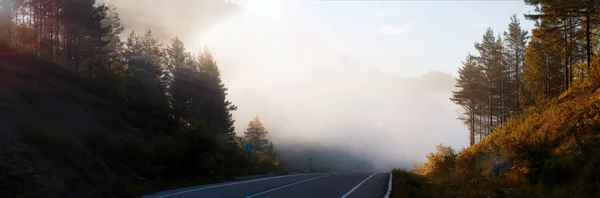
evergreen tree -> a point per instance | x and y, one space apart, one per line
221 112
177 55
115 47
7 9
185 85
256 135
146 60
84 33
515 44
576 20
544 71
471 87
490 65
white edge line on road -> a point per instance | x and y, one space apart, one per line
355 187
285 186
228 184
389 191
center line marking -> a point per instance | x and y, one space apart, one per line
274 189
355 187
220 185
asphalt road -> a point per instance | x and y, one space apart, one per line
312 185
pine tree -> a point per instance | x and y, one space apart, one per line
7 9
256 135
515 44
471 86
177 56
503 82
185 84
221 112
146 60
490 65
84 33
577 20
544 71
114 47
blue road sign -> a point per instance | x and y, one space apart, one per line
249 147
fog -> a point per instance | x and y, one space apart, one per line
315 92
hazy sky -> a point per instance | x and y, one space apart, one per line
371 77
409 38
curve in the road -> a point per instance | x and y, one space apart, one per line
285 186
222 185
314 185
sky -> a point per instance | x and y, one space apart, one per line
405 38
371 78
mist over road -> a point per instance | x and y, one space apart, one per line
313 185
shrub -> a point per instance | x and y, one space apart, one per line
406 184
440 163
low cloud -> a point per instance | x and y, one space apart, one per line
316 100
395 30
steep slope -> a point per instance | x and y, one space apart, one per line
551 150
553 147
47 114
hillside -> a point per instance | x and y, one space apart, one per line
551 150
39 95
64 135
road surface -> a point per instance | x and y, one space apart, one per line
312 185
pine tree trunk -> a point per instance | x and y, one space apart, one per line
472 119
490 108
587 38
517 79
566 62
570 54
502 107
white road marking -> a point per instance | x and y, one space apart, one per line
274 189
389 191
228 184
355 187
